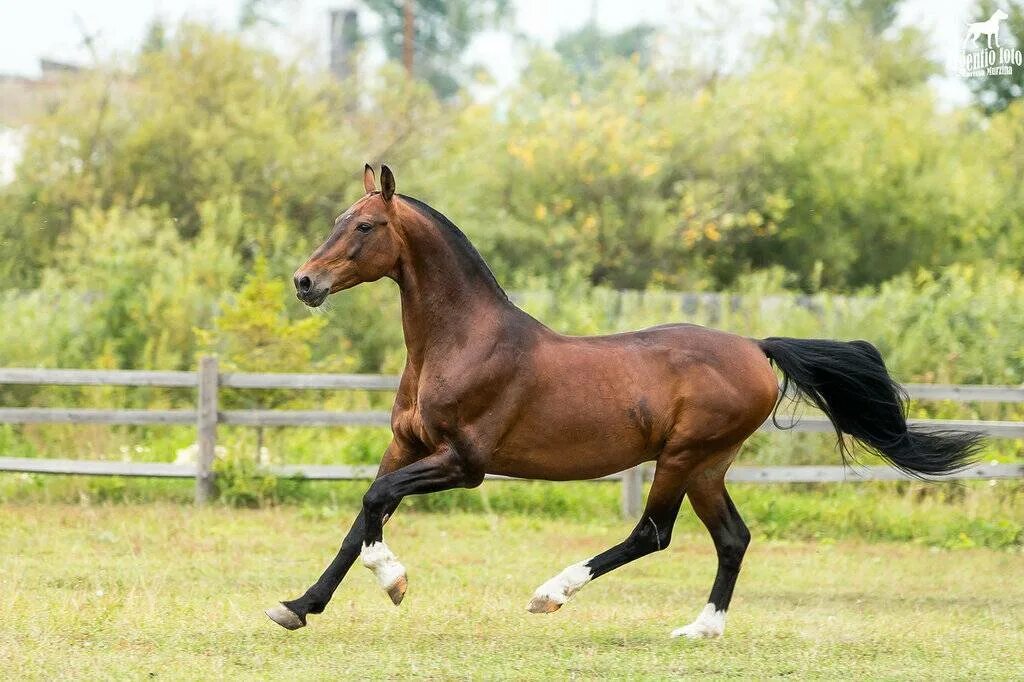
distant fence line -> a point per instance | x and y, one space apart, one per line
206 417
694 301
707 307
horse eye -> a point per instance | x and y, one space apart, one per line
364 227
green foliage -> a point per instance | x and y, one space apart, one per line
630 175
201 122
847 179
589 47
155 39
853 32
253 332
241 482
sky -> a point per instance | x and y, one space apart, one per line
54 28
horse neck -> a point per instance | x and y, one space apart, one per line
447 291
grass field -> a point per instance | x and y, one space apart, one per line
169 592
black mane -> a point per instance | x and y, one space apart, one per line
457 239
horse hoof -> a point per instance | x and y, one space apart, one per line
397 590
695 632
710 624
285 617
543 604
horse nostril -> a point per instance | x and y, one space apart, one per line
304 284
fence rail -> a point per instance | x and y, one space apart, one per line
347 472
254 417
378 382
206 417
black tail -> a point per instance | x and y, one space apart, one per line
848 381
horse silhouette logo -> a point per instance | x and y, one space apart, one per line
988 28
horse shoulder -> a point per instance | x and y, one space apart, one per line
471 393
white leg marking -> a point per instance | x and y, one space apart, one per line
389 571
710 623
555 592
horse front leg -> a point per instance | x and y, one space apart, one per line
444 470
292 614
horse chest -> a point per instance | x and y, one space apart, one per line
430 413
438 407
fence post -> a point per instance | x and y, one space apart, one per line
206 427
632 491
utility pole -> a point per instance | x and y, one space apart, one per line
408 35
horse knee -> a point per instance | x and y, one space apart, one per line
733 546
744 534
375 498
651 537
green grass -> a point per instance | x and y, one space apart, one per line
950 515
168 592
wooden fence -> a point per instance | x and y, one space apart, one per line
206 417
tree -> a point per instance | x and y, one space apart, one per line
255 12
875 15
993 94
255 333
858 29
586 49
155 39
203 118
442 30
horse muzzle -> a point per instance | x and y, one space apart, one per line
309 290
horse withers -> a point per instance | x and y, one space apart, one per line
487 389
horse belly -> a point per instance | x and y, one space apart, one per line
566 439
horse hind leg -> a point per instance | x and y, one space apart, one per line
712 504
652 533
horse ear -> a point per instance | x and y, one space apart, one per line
369 181
387 183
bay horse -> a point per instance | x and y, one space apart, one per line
487 389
